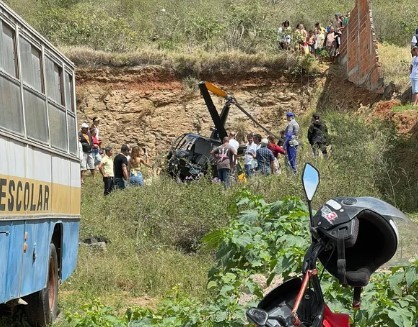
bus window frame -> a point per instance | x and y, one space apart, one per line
15 30
65 66
38 47
61 67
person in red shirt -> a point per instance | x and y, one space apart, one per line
95 147
276 149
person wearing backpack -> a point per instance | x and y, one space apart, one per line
87 161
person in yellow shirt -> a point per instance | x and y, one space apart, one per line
106 169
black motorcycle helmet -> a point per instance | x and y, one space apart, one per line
360 234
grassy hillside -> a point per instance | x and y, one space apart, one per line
154 233
217 25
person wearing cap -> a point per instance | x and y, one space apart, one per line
291 139
87 160
106 169
265 158
120 168
414 75
318 135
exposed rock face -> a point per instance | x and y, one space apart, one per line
150 107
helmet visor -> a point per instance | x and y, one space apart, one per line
406 229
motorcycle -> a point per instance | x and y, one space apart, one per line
352 237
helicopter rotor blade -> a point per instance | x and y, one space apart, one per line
216 90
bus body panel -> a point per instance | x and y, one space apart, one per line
23 272
4 255
38 190
70 248
35 268
14 260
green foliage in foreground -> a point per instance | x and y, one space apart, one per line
390 297
403 108
265 238
155 234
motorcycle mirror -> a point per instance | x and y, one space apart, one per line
310 180
257 316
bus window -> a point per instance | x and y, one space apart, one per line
69 89
72 134
30 58
11 114
57 127
8 50
35 115
53 81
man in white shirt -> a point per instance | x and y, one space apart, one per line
250 153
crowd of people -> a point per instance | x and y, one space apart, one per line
118 172
261 154
319 41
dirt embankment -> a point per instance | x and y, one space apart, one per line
151 106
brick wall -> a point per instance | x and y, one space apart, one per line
358 51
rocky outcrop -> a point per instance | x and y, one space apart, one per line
150 107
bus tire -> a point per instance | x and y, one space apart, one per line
42 308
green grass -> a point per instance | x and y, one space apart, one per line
404 108
395 64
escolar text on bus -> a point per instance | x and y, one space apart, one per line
21 196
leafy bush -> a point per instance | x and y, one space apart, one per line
94 314
389 300
267 231
264 237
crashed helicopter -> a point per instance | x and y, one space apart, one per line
189 156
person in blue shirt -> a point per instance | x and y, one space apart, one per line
291 139
265 158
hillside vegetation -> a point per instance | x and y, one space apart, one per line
216 26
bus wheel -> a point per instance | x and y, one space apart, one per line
42 308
